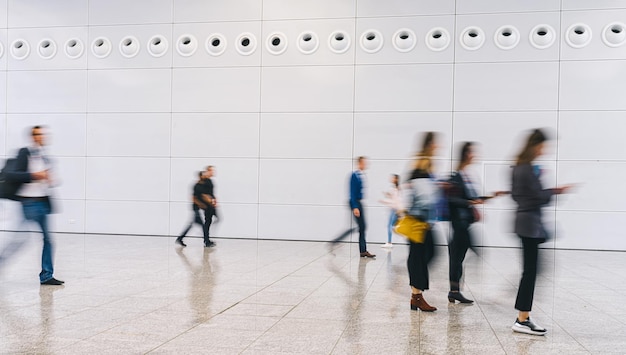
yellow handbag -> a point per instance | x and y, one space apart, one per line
411 228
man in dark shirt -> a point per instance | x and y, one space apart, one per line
210 201
198 203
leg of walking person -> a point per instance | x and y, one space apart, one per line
457 250
417 264
360 220
393 218
208 219
197 219
526 291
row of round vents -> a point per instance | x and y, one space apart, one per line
371 41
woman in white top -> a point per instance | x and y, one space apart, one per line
393 201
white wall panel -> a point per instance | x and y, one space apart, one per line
216 90
210 11
592 5
304 222
500 134
491 6
420 25
303 9
523 51
46 91
306 135
143 34
69 177
496 229
580 138
377 219
506 86
378 179
230 57
398 135
115 12
59 36
12 215
235 181
3 133
236 220
213 135
127 179
425 87
4 42
590 230
145 90
69 216
600 186
316 89
322 28
3 91
372 8
305 181
43 13
130 134
127 217
66 132
596 49
592 85
497 176
4 8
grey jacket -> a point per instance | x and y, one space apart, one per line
530 196
422 198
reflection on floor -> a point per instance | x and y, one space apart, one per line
144 295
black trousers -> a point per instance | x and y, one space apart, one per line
206 223
209 212
360 221
526 291
196 220
420 255
457 249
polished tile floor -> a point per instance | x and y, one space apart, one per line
137 295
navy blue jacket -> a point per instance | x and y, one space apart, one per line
356 190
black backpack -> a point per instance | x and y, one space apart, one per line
8 188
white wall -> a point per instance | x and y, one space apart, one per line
129 134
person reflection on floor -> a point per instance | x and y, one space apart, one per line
202 284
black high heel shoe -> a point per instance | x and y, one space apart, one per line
457 296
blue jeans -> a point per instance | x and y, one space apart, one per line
393 218
37 211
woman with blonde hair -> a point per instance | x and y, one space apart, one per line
422 207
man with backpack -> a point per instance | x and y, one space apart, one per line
30 175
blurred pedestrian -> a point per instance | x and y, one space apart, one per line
530 196
393 201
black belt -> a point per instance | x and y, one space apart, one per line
34 199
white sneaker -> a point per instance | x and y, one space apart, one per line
528 327
387 245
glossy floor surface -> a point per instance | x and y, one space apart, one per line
136 295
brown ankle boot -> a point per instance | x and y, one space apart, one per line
418 301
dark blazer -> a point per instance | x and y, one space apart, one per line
530 196
459 200
20 174
356 190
